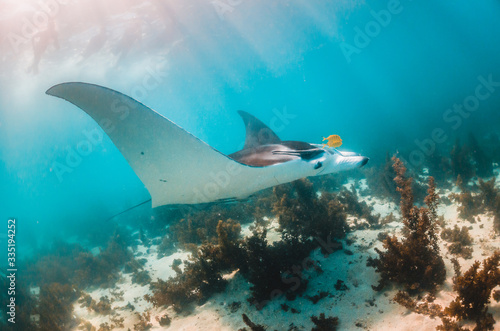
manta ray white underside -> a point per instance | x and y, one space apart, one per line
175 166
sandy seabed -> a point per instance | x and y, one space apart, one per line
358 307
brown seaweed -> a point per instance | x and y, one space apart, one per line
414 261
252 325
474 288
459 239
323 323
352 206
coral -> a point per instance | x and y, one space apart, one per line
413 262
459 238
474 289
323 323
251 325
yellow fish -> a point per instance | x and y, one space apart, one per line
333 141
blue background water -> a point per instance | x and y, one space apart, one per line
198 62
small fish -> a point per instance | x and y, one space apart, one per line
333 141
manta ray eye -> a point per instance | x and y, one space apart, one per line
318 165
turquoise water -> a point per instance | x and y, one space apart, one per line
208 61
381 74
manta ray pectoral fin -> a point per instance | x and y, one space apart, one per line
175 166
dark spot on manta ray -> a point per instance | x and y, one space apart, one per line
163 180
142 153
318 165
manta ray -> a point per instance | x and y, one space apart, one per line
178 168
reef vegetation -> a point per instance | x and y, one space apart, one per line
251 325
276 261
202 275
485 201
473 289
61 273
381 183
306 222
414 261
460 241
323 323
